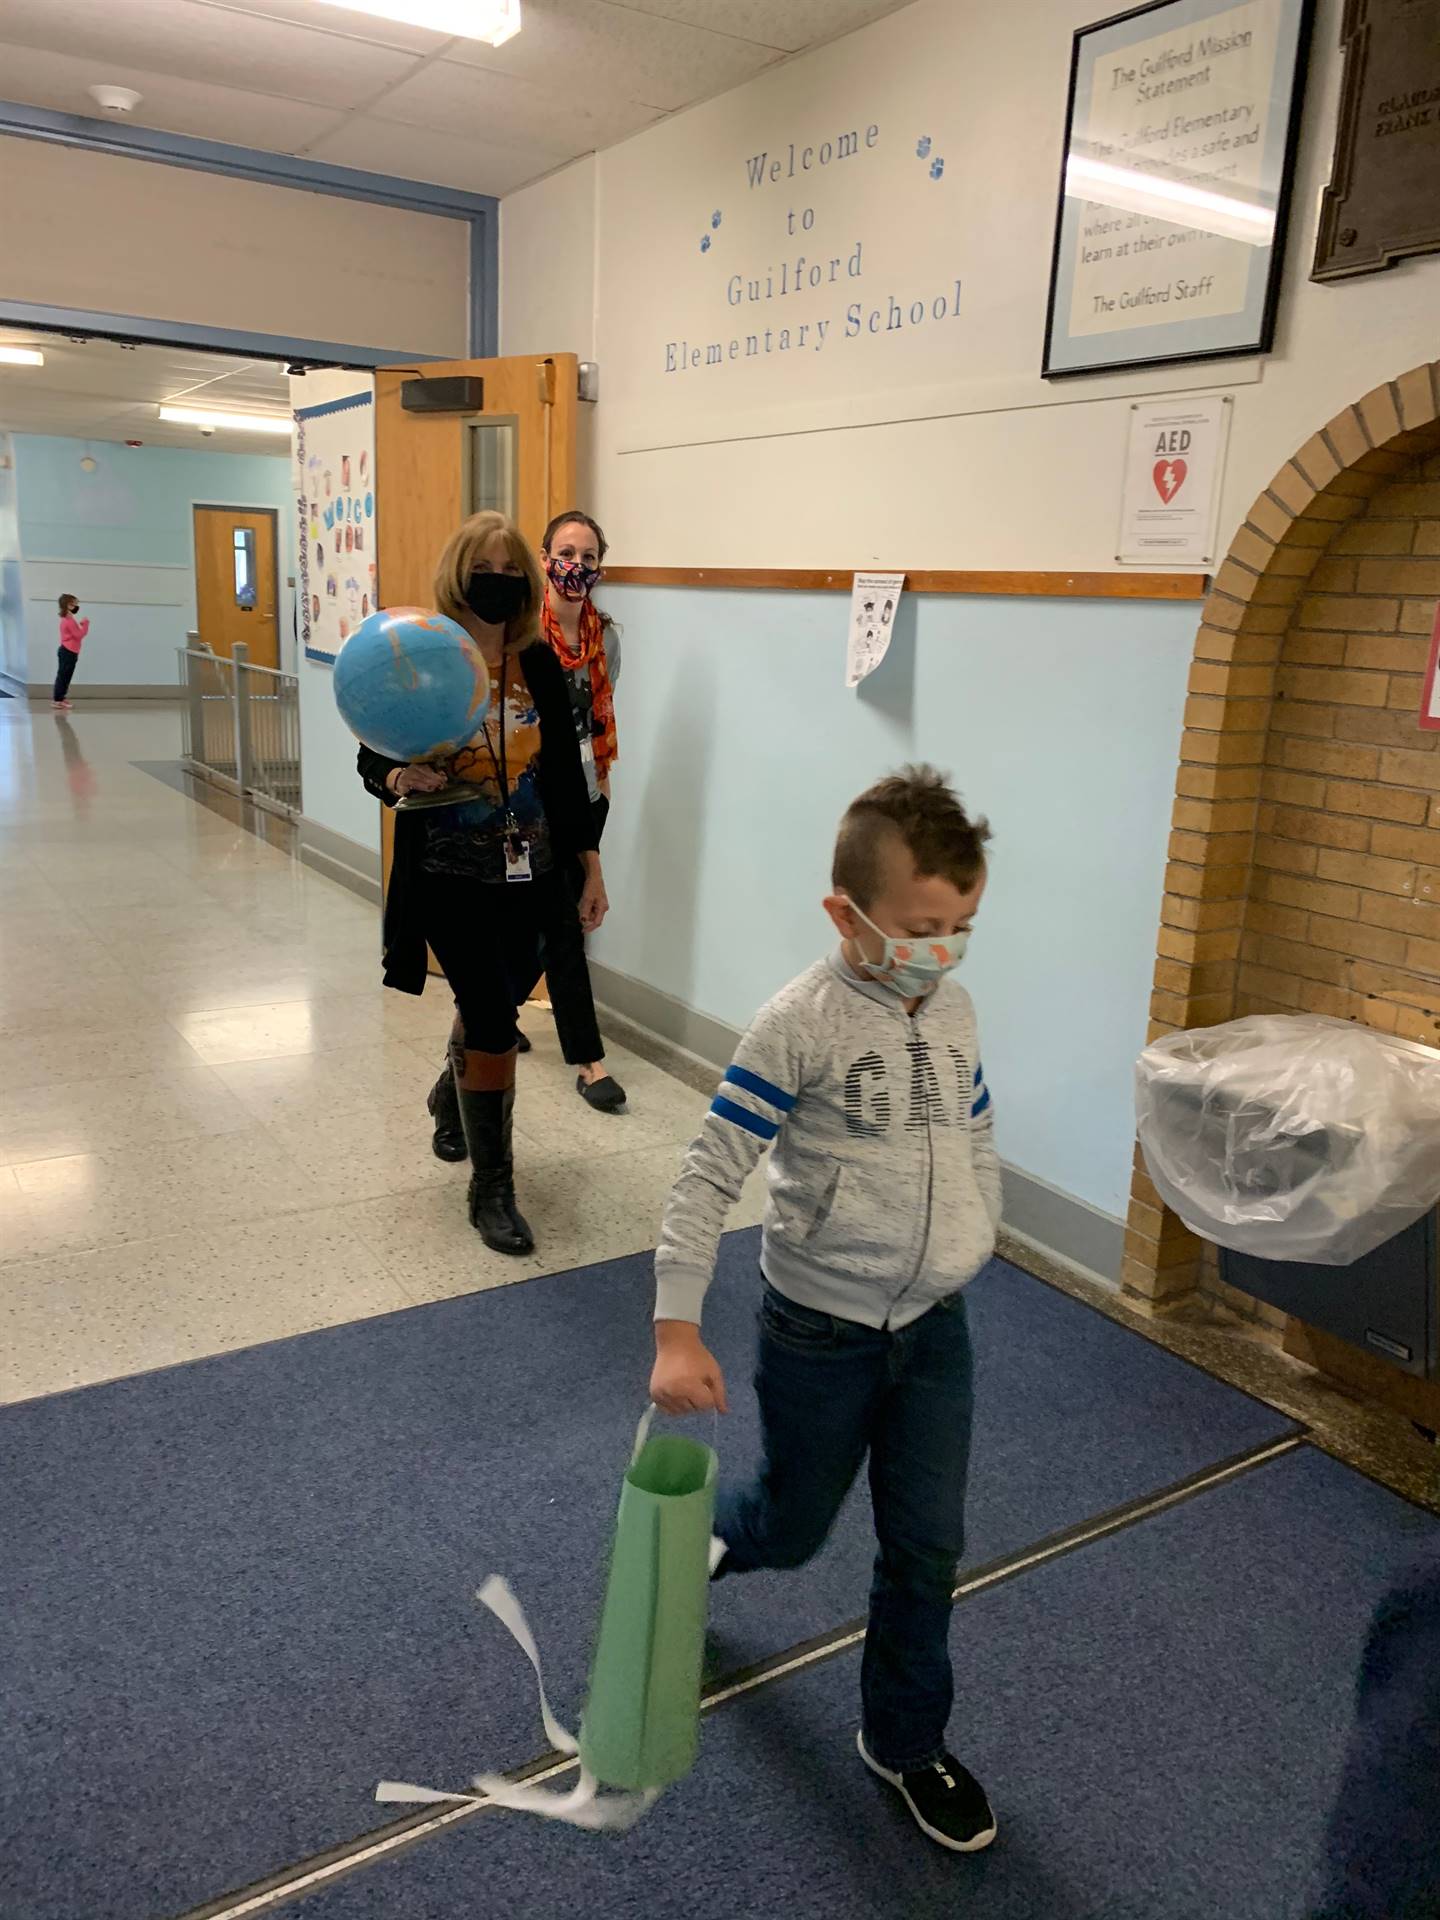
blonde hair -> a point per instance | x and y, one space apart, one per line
458 561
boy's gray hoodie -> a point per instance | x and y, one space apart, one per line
884 1181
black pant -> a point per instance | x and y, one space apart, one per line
489 940
68 663
568 982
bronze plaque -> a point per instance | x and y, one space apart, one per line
1383 201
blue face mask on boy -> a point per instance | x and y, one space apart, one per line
914 967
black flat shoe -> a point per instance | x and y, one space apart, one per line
605 1095
522 1044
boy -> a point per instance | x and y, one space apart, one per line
884 1200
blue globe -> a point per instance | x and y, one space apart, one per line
413 685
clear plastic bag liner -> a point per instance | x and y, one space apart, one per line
1290 1136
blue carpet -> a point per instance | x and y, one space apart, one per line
235 1593
1159 1717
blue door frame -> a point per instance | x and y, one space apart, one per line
479 211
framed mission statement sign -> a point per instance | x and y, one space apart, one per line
1179 147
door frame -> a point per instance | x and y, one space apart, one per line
245 506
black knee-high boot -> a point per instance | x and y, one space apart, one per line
485 1090
443 1104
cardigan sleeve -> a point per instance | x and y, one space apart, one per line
563 791
374 770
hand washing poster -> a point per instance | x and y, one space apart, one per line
334 471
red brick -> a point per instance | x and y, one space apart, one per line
1331 613
1421 844
1367 870
1353 937
1343 762
1412 769
1334 684
1376 803
1376 536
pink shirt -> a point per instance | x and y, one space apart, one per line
72 632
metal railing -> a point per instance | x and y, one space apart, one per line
241 725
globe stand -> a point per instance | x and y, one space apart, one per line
456 794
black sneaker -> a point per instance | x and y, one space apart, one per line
947 1801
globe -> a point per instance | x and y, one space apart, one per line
411 684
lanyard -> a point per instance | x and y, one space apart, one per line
499 761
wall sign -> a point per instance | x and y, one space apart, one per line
1173 469
874 601
334 452
1179 146
1383 201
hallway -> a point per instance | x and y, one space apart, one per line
212 1129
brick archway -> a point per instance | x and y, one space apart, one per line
1308 614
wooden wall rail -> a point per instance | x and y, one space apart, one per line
1054 586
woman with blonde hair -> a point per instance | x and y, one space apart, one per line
484 881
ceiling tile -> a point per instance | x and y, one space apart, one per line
791 24
59 81
99 390
474 103
633 55
444 159
208 44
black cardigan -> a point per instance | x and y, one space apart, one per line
563 794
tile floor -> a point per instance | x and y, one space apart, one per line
212 1130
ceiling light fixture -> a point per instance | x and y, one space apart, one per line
21 357
242 422
494 21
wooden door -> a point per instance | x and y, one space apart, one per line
236 586
430 472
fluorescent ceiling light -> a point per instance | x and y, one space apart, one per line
242 422
1173 200
21 357
495 21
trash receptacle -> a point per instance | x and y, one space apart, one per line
1308 1150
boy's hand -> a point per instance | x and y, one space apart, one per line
687 1376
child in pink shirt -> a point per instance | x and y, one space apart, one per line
72 635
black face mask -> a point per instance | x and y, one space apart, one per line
496 598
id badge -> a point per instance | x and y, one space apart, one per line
517 859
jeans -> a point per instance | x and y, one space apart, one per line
830 1392
66 665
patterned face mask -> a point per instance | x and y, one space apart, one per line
571 579
914 967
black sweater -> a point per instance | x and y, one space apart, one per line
563 794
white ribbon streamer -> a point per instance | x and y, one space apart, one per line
579 1806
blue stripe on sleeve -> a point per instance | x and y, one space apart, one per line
981 1105
765 1089
742 1117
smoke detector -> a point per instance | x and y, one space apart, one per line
115 99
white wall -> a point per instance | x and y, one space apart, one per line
12 605
99 233
984 464
740 749
121 539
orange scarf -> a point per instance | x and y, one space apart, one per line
588 652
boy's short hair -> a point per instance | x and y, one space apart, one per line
918 807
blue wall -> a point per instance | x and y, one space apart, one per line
740 747
120 539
